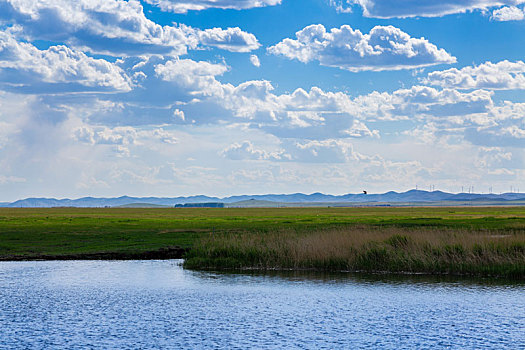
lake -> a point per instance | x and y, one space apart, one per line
157 304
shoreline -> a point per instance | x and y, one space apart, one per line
159 254
359 272
178 253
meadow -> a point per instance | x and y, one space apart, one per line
450 240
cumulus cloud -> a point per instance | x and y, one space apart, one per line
255 60
120 135
503 75
194 76
422 102
168 91
428 8
132 154
123 140
58 69
313 114
501 136
384 48
316 100
161 135
509 13
231 39
506 127
189 92
108 136
491 157
318 114
342 6
509 111
247 151
251 100
322 151
102 26
192 94
473 118
314 151
183 6
359 129
114 27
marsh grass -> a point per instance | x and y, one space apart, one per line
365 248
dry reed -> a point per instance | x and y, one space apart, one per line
366 248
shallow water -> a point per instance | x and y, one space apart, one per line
157 304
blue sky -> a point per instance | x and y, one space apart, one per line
225 97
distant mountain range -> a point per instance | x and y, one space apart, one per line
412 196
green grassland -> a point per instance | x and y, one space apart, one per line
463 240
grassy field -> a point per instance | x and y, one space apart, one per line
486 241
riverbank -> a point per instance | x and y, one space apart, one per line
158 254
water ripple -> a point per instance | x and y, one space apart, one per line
158 305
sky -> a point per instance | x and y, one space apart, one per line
173 98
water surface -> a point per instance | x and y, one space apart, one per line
157 304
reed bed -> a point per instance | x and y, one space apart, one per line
367 248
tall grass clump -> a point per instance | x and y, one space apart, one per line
367 248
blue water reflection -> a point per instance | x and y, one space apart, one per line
157 304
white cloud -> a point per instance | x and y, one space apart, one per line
231 39
509 111
191 89
320 115
255 60
514 131
183 6
250 100
153 160
314 151
313 114
494 125
178 114
384 48
504 134
107 136
114 27
493 157
194 76
102 26
428 8
121 135
422 102
57 69
316 100
509 13
246 150
11 179
503 75
342 6
161 135
359 129
324 151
